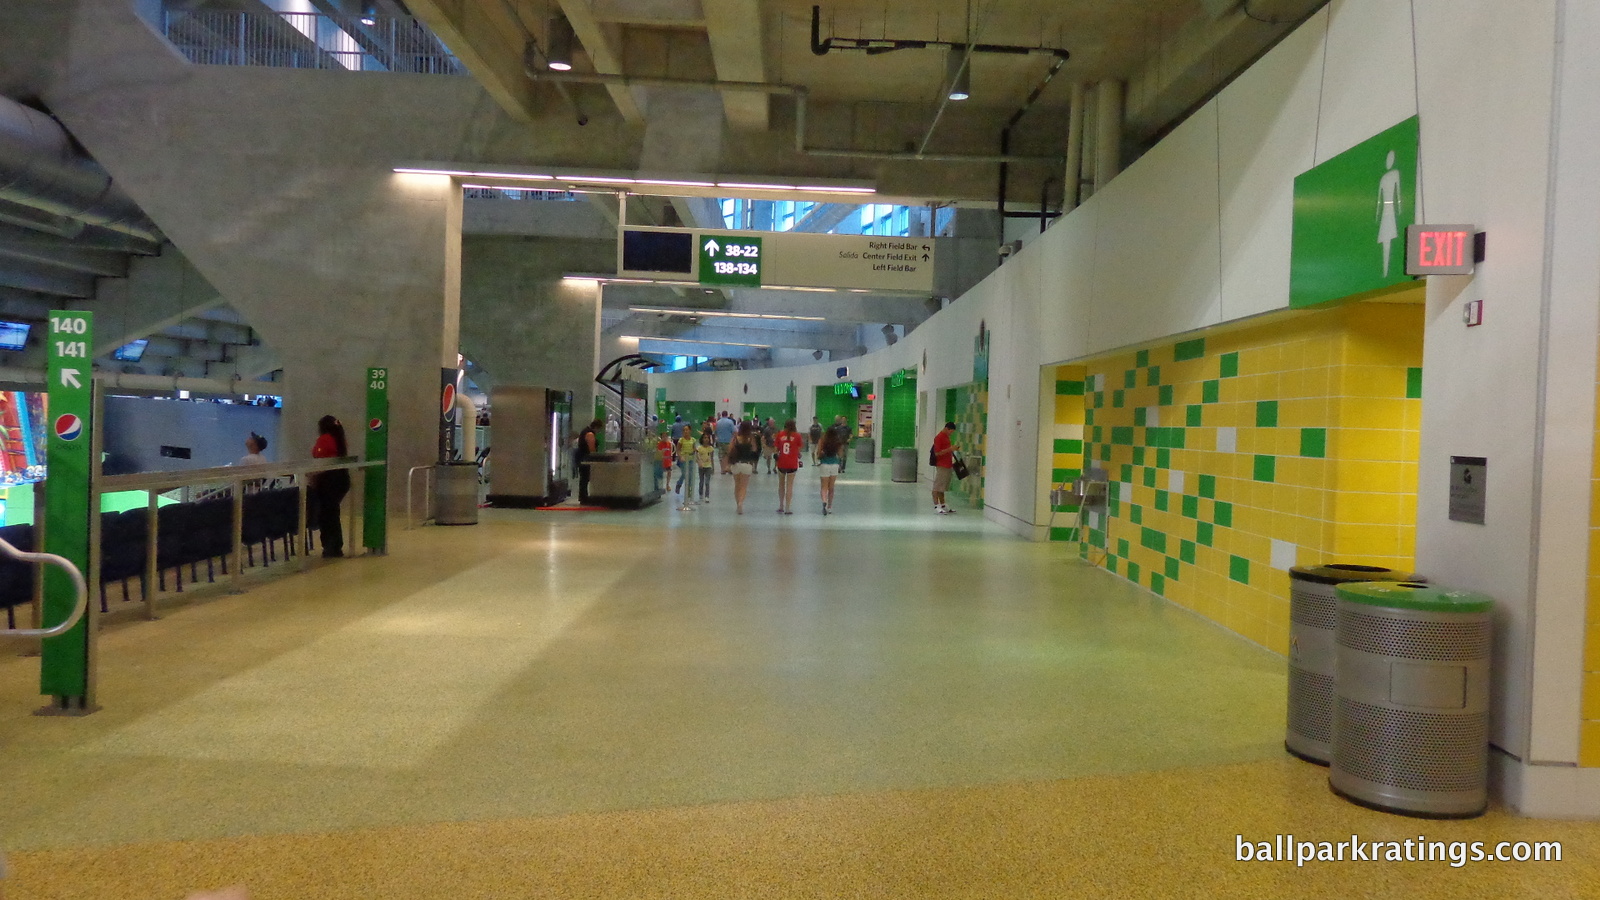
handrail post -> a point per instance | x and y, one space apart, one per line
237 550
151 566
301 477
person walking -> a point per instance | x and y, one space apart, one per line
330 487
944 460
828 466
587 445
786 444
815 434
841 427
664 448
769 433
743 455
677 427
686 465
705 456
724 431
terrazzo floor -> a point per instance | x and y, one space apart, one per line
880 703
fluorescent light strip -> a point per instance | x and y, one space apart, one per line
658 182
723 314
459 173
673 340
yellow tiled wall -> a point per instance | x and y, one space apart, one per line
1066 459
1239 453
1589 735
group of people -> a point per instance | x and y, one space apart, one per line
325 490
744 449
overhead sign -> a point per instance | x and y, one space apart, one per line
1350 215
1440 249
730 260
64 671
779 259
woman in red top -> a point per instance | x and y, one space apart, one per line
786 445
329 488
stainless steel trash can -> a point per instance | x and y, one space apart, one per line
866 451
1411 714
1313 610
455 494
903 465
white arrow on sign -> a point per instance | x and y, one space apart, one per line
69 378
711 246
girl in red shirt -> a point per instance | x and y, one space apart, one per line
786 445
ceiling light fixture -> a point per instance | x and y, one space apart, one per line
678 311
958 73
369 13
558 55
674 340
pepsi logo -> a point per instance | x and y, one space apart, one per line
69 427
447 402
375 425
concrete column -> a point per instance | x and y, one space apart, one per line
1074 173
1108 132
1087 146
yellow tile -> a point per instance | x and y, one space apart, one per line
1365 444
1591 696
1369 413
1367 509
1591 644
1589 745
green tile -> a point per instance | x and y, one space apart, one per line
1163 501
1222 514
1164 395
1191 507
1057 476
1204 534
1239 569
1088 417
1153 376
1061 534
1194 349
1123 548
1138 456
1122 434
1105 452
1266 414
1177 438
1266 468
1113 506
1210 391
1099 399
1097 539
1069 388
1130 378
1111 564
1230 364
1314 442
1192 416
1186 551
1172 568
1208 486
1116 399
1153 539
1139 416
1163 458
1133 572
1414 384
1068 445
1142 358
1149 477
1158 584
1126 473
1135 514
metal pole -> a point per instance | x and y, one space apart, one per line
1108 132
152 536
305 542
1074 169
237 551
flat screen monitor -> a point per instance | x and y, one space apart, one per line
14 335
658 251
132 351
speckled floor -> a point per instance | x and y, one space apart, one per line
882 703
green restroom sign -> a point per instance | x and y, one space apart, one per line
729 260
1350 218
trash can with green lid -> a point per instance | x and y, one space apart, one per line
1411 713
1313 609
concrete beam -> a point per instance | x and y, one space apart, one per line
160 292
63 255
489 43
737 48
45 279
826 217
540 218
654 13
676 347
603 54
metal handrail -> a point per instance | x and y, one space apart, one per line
309 41
427 495
79 586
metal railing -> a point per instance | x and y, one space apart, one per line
309 41
427 495
79 585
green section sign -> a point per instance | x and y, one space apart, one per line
375 511
1350 218
64 670
727 260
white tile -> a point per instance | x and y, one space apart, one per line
1227 440
1125 491
1152 417
1175 481
1069 432
1283 555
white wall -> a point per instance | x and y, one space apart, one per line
1197 233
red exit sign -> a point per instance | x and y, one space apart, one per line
1440 249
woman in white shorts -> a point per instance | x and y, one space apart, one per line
829 456
743 454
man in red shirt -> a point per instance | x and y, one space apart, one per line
786 447
944 460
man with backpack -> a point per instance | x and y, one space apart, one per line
944 461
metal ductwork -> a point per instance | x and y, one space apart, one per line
41 169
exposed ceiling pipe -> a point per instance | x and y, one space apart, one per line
801 97
876 46
40 168
130 382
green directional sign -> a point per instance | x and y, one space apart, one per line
733 261
64 671
1350 218
375 511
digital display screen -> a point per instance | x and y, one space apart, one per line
14 335
133 351
658 251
